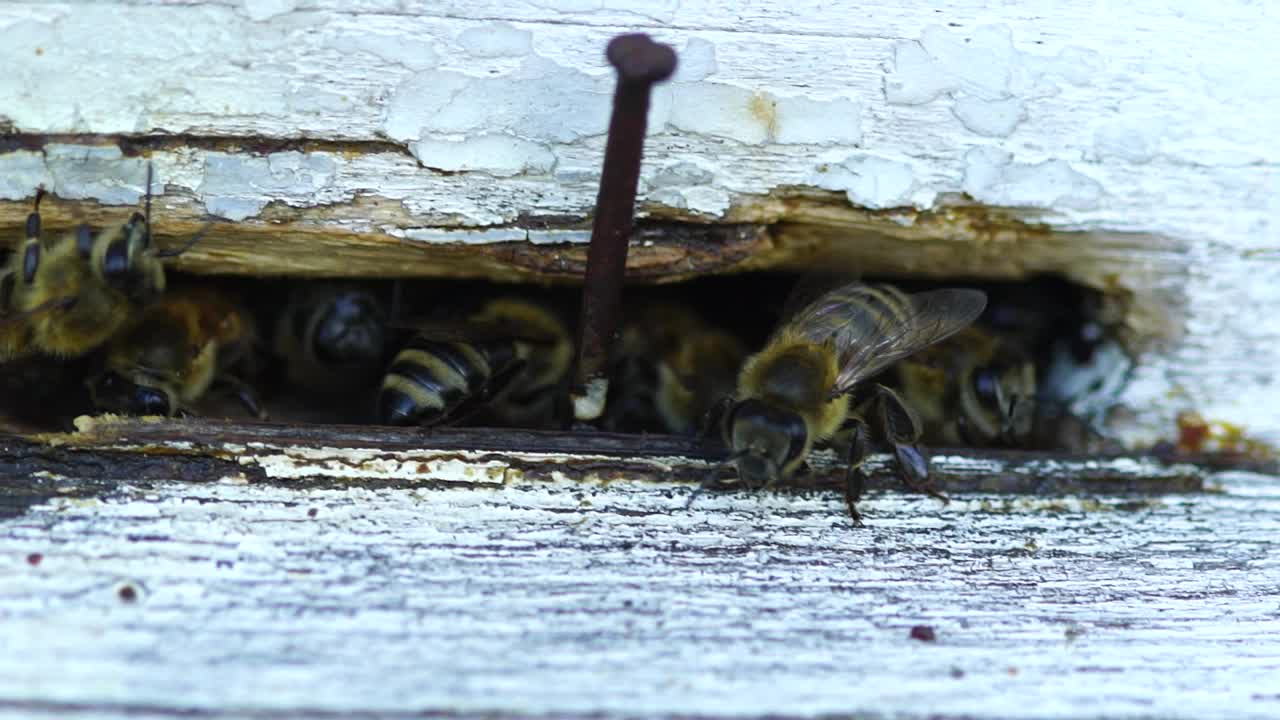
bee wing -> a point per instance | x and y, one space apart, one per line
873 326
812 286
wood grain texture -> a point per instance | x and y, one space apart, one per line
161 598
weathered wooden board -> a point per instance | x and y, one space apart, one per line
1139 134
162 598
113 447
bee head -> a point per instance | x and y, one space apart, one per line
114 392
349 330
125 259
1005 397
765 439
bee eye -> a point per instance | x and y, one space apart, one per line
30 263
115 263
348 332
84 241
6 291
984 385
150 401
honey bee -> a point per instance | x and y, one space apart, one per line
332 338
505 362
805 386
165 362
976 388
15 335
97 282
671 370
16 276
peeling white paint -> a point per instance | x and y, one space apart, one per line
469 237
697 61
541 99
1133 139
500 155
720 110
21 172
497 39
993 118
237 187
873 182
992 176
260 10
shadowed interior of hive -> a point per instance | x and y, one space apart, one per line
1063 331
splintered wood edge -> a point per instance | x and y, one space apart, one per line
109 448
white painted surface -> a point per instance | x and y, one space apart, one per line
566 598
1147 116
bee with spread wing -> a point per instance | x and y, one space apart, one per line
806 386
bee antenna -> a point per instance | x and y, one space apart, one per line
147 207
40 193
1006 422
190 243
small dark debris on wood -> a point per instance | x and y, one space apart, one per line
923 633
127 593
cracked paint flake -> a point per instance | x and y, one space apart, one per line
494 40
540 101
991 176
873 182
697 61
236 187
499 155
1132 139
260 10
21 172
988 79
992 118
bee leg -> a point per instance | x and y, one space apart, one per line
901 428
855 477
710 482
966 433
245 393
715 416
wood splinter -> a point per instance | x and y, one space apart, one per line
641 63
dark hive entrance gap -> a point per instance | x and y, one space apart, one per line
1061 328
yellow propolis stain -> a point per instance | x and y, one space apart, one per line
765 109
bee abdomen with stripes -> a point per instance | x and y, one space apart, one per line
429 379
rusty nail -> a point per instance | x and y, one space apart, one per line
640 63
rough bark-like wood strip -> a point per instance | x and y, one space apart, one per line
277 452
323 244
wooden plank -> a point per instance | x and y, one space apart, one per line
208 450
564 598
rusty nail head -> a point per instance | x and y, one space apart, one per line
639 59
